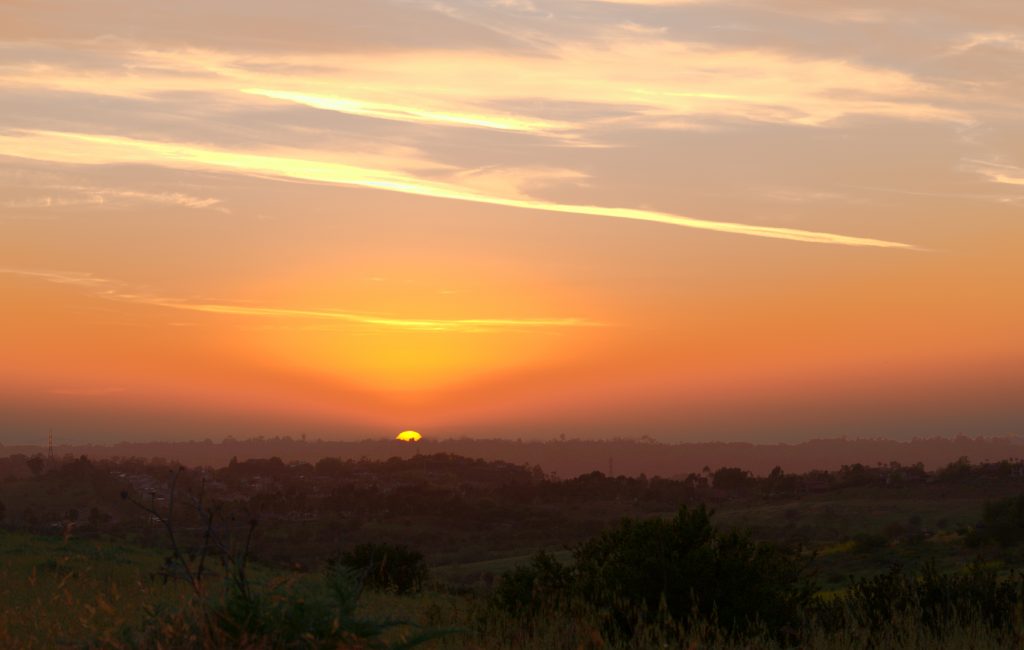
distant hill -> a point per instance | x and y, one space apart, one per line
572 457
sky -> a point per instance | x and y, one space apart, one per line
688 219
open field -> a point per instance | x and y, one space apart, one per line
78 593
61 592
81 558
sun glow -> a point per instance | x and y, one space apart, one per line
409 436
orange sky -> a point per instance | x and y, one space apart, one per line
695 220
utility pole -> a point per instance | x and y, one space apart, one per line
49 446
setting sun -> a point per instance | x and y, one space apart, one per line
409 436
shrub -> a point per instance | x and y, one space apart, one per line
241 613
1001 523
526 590
287 614
931 599
682 568
387 566
868 542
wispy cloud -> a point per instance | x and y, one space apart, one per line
402 113
59 196
1006 40
988 197
997 172
52 201
615 66
655 3
417 324
118 291
82 148
166 198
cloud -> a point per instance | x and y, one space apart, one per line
51 201
79 148
118 291
521 5
1007 40
655 3
615 66
413 114
470 325
71 195
166 198
817 8
998 172
249 25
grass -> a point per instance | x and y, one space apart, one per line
60 592
832 515
57 592
485 629
472 574
828 524
66 593
82 593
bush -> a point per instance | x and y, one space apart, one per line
387 566
682 568
288 614
869 542
931 599
241 613
1001 523
526 590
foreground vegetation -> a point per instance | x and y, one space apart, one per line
753 576
77 593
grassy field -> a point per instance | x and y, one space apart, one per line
859 532
70 591
79 593
830 515
907 527
59 592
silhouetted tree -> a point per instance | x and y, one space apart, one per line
731 478
36 464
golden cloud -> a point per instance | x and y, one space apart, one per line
82 148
